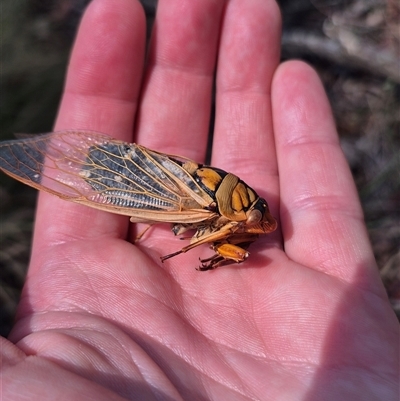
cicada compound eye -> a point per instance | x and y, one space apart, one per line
254 217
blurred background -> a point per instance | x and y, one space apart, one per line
353 44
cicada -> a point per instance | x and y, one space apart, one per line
148 186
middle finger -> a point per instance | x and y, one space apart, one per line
176 100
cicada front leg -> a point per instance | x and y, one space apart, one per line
233 250
225 254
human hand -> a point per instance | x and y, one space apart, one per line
305 317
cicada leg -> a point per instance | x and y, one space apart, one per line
225 254
229 247
211 263
142 233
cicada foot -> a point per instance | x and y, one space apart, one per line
225 254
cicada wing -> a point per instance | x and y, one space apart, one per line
90 168
50 162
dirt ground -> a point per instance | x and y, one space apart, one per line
354 45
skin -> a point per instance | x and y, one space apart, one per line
304 318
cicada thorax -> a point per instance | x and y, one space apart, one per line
233 199
230 194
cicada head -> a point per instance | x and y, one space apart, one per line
259 219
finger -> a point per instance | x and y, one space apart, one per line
248 56
322 220
100 94
175 107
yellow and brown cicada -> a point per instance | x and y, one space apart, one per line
151 187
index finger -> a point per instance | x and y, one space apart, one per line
101 92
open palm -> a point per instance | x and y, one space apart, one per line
305 317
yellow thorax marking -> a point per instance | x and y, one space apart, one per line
229 198
209 177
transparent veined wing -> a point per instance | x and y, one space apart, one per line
95 170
